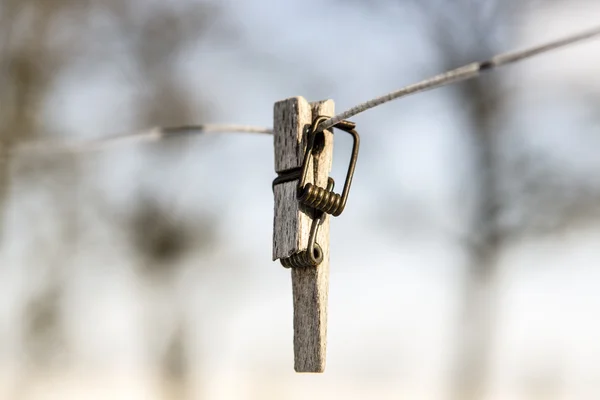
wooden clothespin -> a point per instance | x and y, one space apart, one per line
304 198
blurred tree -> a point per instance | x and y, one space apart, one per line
159 235
462 32
33 55
28 69
546 199
466 32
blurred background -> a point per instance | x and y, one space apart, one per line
466 265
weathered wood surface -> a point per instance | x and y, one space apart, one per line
310 286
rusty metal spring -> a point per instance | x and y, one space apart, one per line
325 199
313 255
322 199
304 258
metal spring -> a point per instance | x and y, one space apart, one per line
322 199
304 258
313 255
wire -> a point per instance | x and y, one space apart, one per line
151 135
460 74
456 75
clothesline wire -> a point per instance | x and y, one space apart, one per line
150 135
463 73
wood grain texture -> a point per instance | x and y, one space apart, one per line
310 286
291 225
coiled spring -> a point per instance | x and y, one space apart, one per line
313 255
304 258
322 200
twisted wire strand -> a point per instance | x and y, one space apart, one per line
460 74
463 73
151 135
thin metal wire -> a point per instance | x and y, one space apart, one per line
460 74
151 135
456 75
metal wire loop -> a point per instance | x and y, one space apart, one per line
313 255
324 199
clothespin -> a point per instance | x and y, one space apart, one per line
304 201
